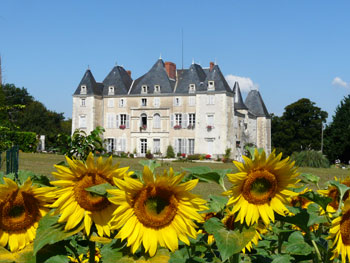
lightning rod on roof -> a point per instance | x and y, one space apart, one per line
182 47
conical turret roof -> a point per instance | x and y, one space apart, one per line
92 87
256 105
237 98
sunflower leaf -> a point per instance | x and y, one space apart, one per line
341 187
300 219
100 189
282 259
310 178
297 246
217 203
229 242
321 200
50 232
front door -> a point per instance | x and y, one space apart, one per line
143 146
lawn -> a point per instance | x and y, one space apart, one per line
43 164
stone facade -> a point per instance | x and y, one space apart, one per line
194 110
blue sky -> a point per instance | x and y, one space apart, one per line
287 49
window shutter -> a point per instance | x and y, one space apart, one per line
172 120
117 120
175 145
123 144
127 121
184 141
185 118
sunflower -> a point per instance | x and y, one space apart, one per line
21 208
159 211
260 187
340 233
300 201
333 192
75 204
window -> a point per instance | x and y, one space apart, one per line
123 121
144 89
121 145
110 120
83 89
156 121
177 101
190 146
156 145
192 101
178 119
122 103
211 85
82 121
211 99
143 102
156 89
143 123
180 146
156 102
111 90
191 120
210 119
82 102
110 145
110 103
192 88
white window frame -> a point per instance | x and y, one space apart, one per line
192 119
111 90
191 101
156 146
211 99
110 103
110 120
83 89
83 102
192 88
191 143
178 119
211 85
144 89
177 101
111 145
82 121
156 121
122 103
156 102
142 102
156 88
210 119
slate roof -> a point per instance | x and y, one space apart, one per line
219 80
157 75
237 98
255 104
194 75
92 87
118 78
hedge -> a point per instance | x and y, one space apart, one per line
26 141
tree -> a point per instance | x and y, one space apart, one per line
299 128
337 134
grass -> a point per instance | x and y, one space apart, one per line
42 164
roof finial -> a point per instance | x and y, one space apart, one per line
192 61
215 62
160 56
88 67
116 63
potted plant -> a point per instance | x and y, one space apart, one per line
208 156
122 127
190 126
210 127
177 127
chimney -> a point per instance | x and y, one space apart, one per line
211 66
170 68
129 73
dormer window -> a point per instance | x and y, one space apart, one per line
144 89
111 90
156 89
192 88
82 89
211 85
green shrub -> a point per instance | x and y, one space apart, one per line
170 152
310 158
149 155
26 141
193 157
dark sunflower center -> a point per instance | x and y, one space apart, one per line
19 211
345 228
334 194
230 222
88 200
155 206
299 201
260 187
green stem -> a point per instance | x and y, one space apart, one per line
319 257
74 251
92 249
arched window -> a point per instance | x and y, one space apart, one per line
143 121
156 121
